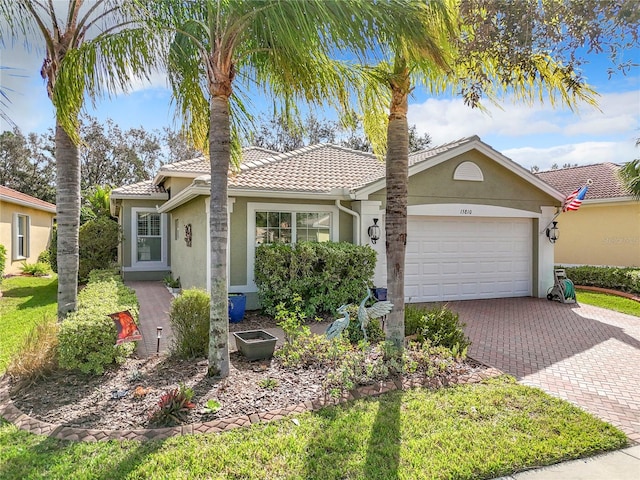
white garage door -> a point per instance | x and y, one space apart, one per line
453 258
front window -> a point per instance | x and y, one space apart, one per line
149 247
292 227
20 237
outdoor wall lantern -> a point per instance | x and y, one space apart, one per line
374 231
553 233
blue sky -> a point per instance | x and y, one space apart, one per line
529 134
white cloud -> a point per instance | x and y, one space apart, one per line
448 119
585 153
539 134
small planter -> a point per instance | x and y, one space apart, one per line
237 305
380 294
255 344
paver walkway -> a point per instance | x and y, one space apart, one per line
155 301
586 355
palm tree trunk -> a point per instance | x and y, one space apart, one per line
397 170
68 220
220 155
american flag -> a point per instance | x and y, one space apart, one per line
574 199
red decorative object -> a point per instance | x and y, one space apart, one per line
126 326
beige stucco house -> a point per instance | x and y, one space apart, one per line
25 227
605 230
475 218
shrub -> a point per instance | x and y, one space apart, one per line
87 336
53 249
38 269
413 319
291 321
3 259
311 350
624 279
326 275
45 257
37 356
98 243
173 406
441 327
354 332
189 318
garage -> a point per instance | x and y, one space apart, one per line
454 258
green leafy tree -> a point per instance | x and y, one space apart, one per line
278 135
90 47
27 164
110 156
285 49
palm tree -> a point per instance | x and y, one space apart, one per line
487 74
283 47
88 50
630 174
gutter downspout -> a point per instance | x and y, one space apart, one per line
353 213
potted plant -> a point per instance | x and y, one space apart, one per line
255 344
173 284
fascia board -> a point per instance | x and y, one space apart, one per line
333 195
25 203
161 176
133 196
183 197
617 200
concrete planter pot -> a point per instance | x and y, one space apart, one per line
255 344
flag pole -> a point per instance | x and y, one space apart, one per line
561 209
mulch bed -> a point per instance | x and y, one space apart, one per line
124 397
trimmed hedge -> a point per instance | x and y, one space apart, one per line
623 279
326 275
98 243
3 259
87 337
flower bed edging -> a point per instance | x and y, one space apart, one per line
24 422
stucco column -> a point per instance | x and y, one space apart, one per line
545 252
369 210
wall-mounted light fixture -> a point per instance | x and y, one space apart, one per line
374 231
553 233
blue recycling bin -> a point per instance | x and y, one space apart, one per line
237 306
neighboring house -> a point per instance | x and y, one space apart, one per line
25 227
475 218
605 230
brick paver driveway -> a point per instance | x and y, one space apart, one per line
584 354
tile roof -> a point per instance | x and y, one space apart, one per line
13 196
316 169
606 183
251 156
419 156
144 188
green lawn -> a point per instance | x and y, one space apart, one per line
476 431
24 302
479 431
611 302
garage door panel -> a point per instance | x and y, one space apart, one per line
467 258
